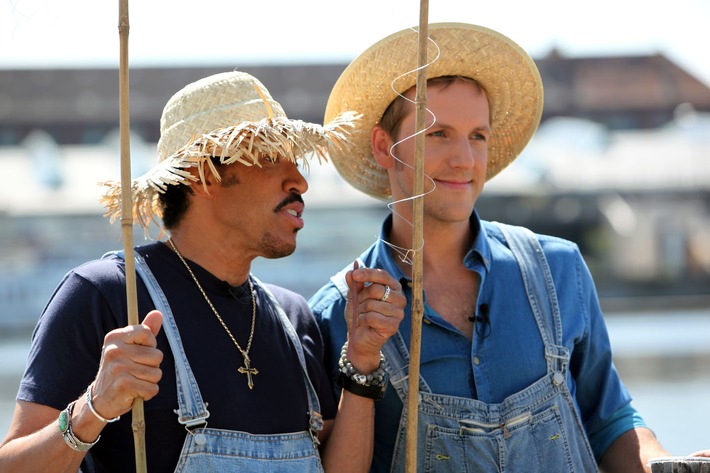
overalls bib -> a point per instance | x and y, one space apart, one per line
534 430
211 450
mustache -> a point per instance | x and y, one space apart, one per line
292 197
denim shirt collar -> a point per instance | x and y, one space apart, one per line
382 254
480 252
478 258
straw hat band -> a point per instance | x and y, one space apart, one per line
507 73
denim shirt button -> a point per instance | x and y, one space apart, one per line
476 361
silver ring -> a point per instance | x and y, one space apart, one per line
386 295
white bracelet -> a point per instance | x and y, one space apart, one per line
89 394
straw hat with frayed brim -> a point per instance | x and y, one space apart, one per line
506 72
233 117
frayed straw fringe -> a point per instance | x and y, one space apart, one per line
244 143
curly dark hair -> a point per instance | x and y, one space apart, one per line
175 201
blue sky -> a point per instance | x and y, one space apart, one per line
71 33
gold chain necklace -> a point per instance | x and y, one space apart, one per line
246 369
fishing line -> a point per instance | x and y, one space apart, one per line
405 254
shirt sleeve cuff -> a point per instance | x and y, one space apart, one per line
623 420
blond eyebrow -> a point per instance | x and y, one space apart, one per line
486 128
444 126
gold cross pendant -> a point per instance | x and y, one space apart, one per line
249 371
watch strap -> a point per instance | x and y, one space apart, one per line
371 391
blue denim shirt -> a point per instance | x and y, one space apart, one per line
505 356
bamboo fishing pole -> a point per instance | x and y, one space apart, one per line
418 244
138 418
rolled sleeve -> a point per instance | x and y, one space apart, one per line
621 421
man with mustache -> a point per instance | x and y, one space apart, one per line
230 368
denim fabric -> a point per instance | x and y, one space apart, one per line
209 450
509 357
535 430
215 450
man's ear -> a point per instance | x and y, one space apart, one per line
202 187
381 143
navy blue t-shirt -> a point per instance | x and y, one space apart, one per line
91 301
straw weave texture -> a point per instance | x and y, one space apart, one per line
506 71
212 103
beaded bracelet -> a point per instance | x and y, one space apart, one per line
372 385
377 377
89 394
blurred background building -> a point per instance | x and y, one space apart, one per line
620 165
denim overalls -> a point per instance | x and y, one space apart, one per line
210 450
534 430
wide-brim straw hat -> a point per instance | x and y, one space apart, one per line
231 116
368 86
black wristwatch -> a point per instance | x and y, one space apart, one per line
372 391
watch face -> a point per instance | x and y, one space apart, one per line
63 421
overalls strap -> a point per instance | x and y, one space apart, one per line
192 410
315 418
542 296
